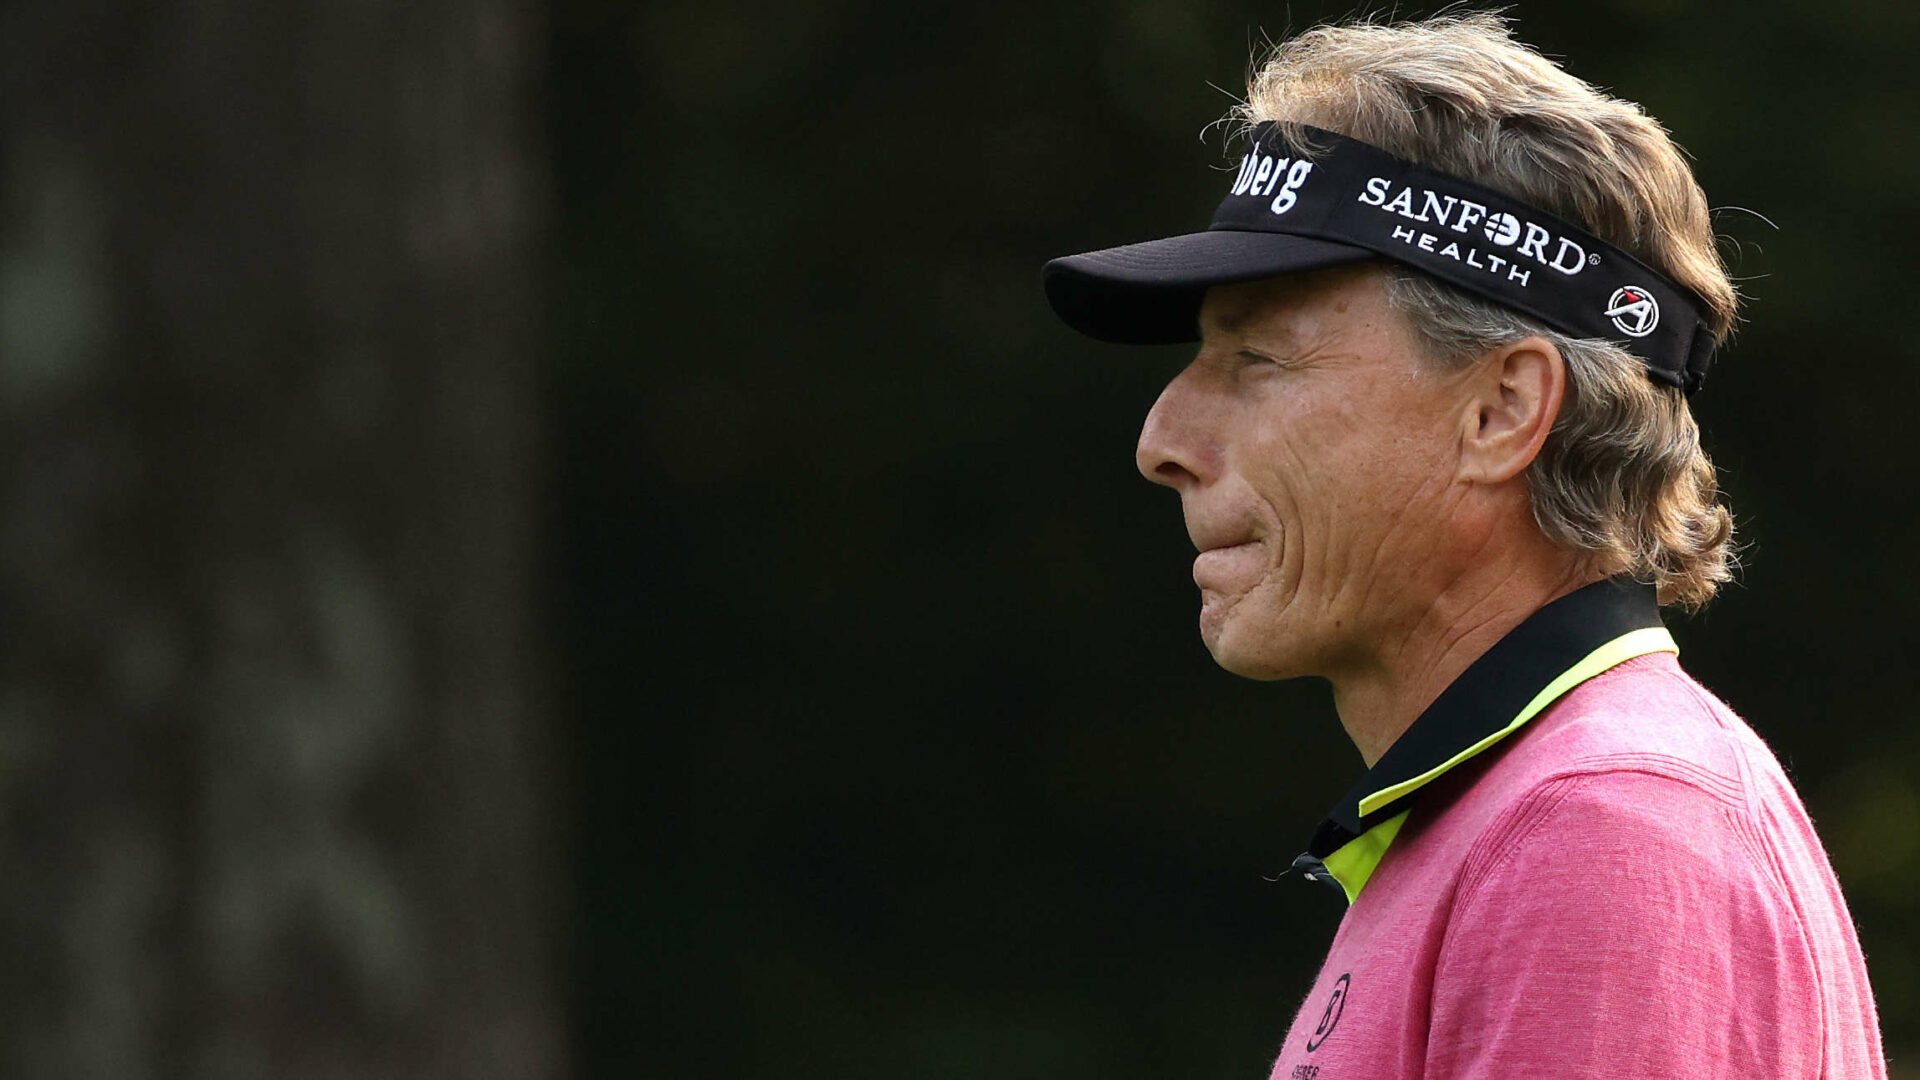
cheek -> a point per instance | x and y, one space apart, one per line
1280 486
1354 483
1305 464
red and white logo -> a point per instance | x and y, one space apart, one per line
1633 310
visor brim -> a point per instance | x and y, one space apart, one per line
1150 293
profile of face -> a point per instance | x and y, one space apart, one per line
1322 468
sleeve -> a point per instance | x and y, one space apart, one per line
1622 924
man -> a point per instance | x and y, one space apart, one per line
1435 446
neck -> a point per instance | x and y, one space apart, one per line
1384 691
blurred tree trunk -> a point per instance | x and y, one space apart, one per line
275 765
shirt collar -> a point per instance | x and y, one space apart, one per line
1556 649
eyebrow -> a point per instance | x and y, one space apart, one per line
1235 321
1230 322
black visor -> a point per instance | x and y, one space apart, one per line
1348 202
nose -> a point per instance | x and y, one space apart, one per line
1174 446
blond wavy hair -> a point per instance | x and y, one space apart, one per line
1622 476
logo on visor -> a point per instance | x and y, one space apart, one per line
1452 221
1503 229
1633 311
1261 174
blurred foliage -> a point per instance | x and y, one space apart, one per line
899 753
275 748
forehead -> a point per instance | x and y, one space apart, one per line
1291 309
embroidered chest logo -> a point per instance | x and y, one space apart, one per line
1331 1018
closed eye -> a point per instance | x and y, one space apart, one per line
1257 357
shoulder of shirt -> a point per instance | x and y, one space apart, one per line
1635 764
1646 716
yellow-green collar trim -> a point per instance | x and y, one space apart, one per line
1653 639
1556 649
1354 862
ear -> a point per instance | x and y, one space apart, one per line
1513 399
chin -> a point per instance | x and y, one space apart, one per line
1261 653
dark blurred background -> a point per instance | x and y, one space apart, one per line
562 540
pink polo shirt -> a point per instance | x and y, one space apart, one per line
1626 887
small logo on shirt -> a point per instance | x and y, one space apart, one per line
1329 1019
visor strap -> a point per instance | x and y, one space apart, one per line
1698 358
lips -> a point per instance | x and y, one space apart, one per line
1228 564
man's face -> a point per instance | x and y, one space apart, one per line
1315 454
